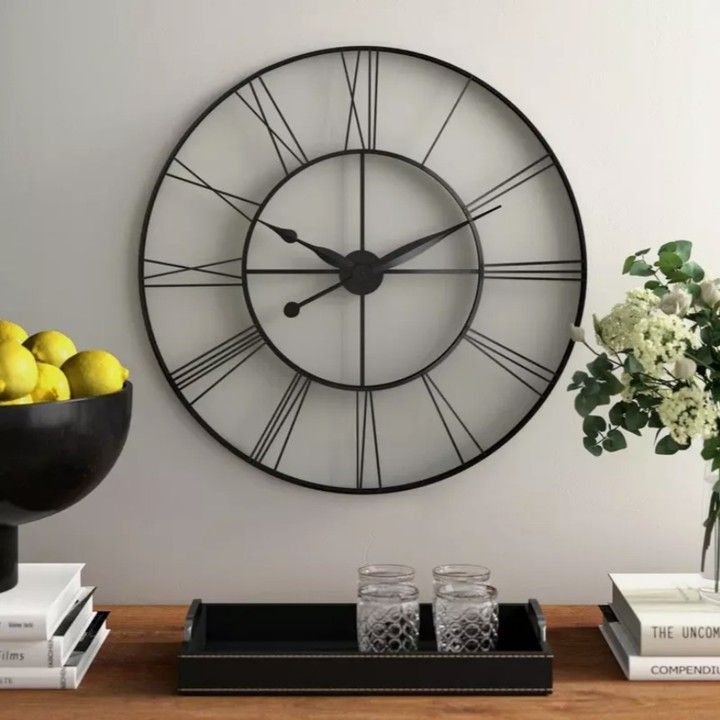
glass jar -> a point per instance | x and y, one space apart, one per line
388 618
466 618
384 574
457 574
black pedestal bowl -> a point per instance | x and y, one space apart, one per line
51 456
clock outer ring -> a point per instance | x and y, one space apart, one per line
393 383
458 468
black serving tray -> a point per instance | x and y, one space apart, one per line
283 649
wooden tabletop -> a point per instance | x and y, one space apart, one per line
134 676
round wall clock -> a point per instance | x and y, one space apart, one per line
358 268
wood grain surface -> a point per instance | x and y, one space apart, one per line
134 676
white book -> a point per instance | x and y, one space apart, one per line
661 667
55 651
665 614
70 675
35 607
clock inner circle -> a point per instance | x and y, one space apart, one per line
362 269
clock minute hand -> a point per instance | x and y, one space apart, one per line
325 254
412 249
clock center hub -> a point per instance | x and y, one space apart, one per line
362 279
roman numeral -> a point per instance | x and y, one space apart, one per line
240 348
282 421
548 270
288 144
222 194
513 362
367 134
190 269
446 121
442 406
517 179
362 418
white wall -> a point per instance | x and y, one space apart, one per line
94 94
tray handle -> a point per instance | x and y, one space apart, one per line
190 618
536 610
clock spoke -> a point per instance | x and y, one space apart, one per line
535 270
435 395
201 182
362 340
511 360
352 111
361 436
205 186
284 415
291 145
192 268
446 121
240 347
530 171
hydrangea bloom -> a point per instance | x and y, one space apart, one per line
615 330
688 412
659 339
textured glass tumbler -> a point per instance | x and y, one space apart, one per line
466 618
457 574
388 618
383 574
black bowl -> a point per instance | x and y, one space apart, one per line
51 456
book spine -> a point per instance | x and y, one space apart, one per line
41 654
18 629
673 668
27 679
681 639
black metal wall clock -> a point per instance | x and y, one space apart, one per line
358 268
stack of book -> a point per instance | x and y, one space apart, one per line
49 631
659 627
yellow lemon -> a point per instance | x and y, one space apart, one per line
51 346
94 372
18 370
12 331
24 400
52 384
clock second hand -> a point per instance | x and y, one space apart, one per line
292 309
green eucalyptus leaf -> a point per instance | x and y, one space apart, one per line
635 419
614 441
682 248
629 260
647 401
655 421
692 270
592 447
667 446
611 385
632 365
599 366
711 448
617 412
668 261
585 403
593 425
642 252
640 268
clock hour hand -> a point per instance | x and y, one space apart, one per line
412 249
325 254
292 309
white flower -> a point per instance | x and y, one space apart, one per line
577 334
688 412
614 330
710 292
658 339
676 302
685 368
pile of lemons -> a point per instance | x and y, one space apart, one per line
46 367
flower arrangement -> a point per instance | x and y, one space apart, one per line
660 362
